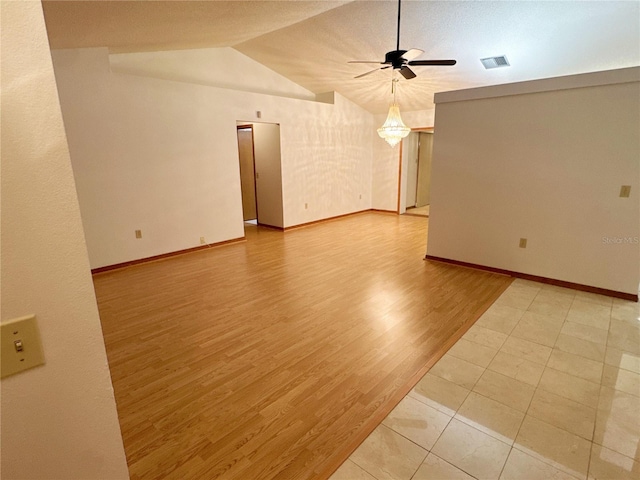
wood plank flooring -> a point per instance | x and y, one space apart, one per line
274 358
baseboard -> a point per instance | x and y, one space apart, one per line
328 219
377 210
272 227
536 278
164 255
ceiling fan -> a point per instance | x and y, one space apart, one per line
402 59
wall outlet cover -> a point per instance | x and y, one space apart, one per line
625 191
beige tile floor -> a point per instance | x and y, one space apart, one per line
545 385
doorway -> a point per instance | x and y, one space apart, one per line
260 173
415 179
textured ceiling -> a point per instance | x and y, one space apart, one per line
143 25
310 42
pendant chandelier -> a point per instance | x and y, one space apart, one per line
393 130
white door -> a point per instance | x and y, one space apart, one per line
266 140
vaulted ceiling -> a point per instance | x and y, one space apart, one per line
310 42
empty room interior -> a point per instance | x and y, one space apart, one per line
225 255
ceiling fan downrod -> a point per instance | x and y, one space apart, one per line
398 32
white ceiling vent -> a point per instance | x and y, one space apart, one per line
495 62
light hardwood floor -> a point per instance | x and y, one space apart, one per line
274 358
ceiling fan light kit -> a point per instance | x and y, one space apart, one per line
394 129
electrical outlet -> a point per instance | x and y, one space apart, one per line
202 241
523 243
306 205
21 346
360 197
138 233
625 191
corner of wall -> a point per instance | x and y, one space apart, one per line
59 420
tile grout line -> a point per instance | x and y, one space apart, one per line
595 421
515 437
586 477
534 393
446 426
487 368
592 441
525 413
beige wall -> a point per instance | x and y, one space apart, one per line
541 160
59 420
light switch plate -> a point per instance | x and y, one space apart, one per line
21 346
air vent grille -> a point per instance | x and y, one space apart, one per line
495 62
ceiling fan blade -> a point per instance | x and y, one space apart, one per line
367 73
365 61
432 62
371 71
407 72
413 53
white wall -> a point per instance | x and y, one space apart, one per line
326 160
58 420
386 159
547 166
161 156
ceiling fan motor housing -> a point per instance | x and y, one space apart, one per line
395 59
